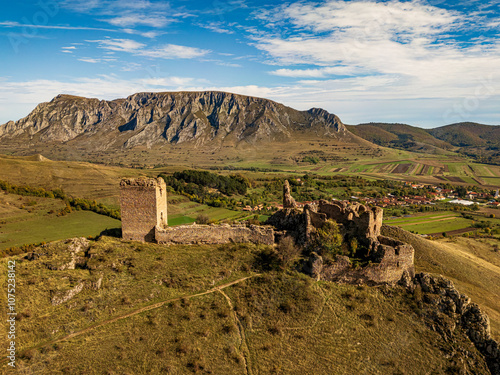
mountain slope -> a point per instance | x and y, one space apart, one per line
188 128
401 136
160 118
468 134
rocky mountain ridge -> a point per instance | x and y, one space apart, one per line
147 119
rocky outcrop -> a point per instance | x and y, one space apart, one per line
147 119
62 297
446 309
215 234
73 256
288 200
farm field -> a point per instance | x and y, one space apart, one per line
183 211
431 223
40 215
52 228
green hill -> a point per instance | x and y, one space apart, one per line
400 136
475 140
468 134
134 308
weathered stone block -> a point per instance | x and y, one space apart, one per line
215 234
143 207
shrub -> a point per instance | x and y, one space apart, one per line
327 240
202 219
288 252
267 260
354 246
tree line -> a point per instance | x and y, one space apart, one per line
71 203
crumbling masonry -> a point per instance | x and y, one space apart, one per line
390 260
144 218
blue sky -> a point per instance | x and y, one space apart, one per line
427 63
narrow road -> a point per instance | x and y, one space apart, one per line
135 312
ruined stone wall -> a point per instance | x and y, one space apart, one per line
215 234
358 220
143 207
392 260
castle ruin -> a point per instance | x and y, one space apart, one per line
143 208
144 218
390 260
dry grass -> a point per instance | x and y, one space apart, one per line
274 323
473 266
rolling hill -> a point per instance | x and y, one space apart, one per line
129 307
468 134
475 140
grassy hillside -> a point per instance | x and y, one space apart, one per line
473 265
468 134
400 135
84 180
478 141
145 308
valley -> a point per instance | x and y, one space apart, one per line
232 308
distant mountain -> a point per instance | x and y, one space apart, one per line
148 119
475 140
400 136
468 134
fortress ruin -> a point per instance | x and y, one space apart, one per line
143 208
144 218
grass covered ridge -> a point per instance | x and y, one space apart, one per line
209 309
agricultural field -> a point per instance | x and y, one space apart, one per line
182 211
431 223
440 222
28 220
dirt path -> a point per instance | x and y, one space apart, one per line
135 312
245 351
470 257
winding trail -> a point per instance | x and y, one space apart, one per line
139 311
245 351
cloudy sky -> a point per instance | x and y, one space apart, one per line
426 63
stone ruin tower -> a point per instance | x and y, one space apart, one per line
143 207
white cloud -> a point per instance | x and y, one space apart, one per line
120 45
146 34
166 51
316 73
11 24
407 45
90 60
217 27
128 14
173 51
157 21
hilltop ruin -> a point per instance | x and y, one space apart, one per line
389 260
144 218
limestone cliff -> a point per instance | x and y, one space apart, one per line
146 119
